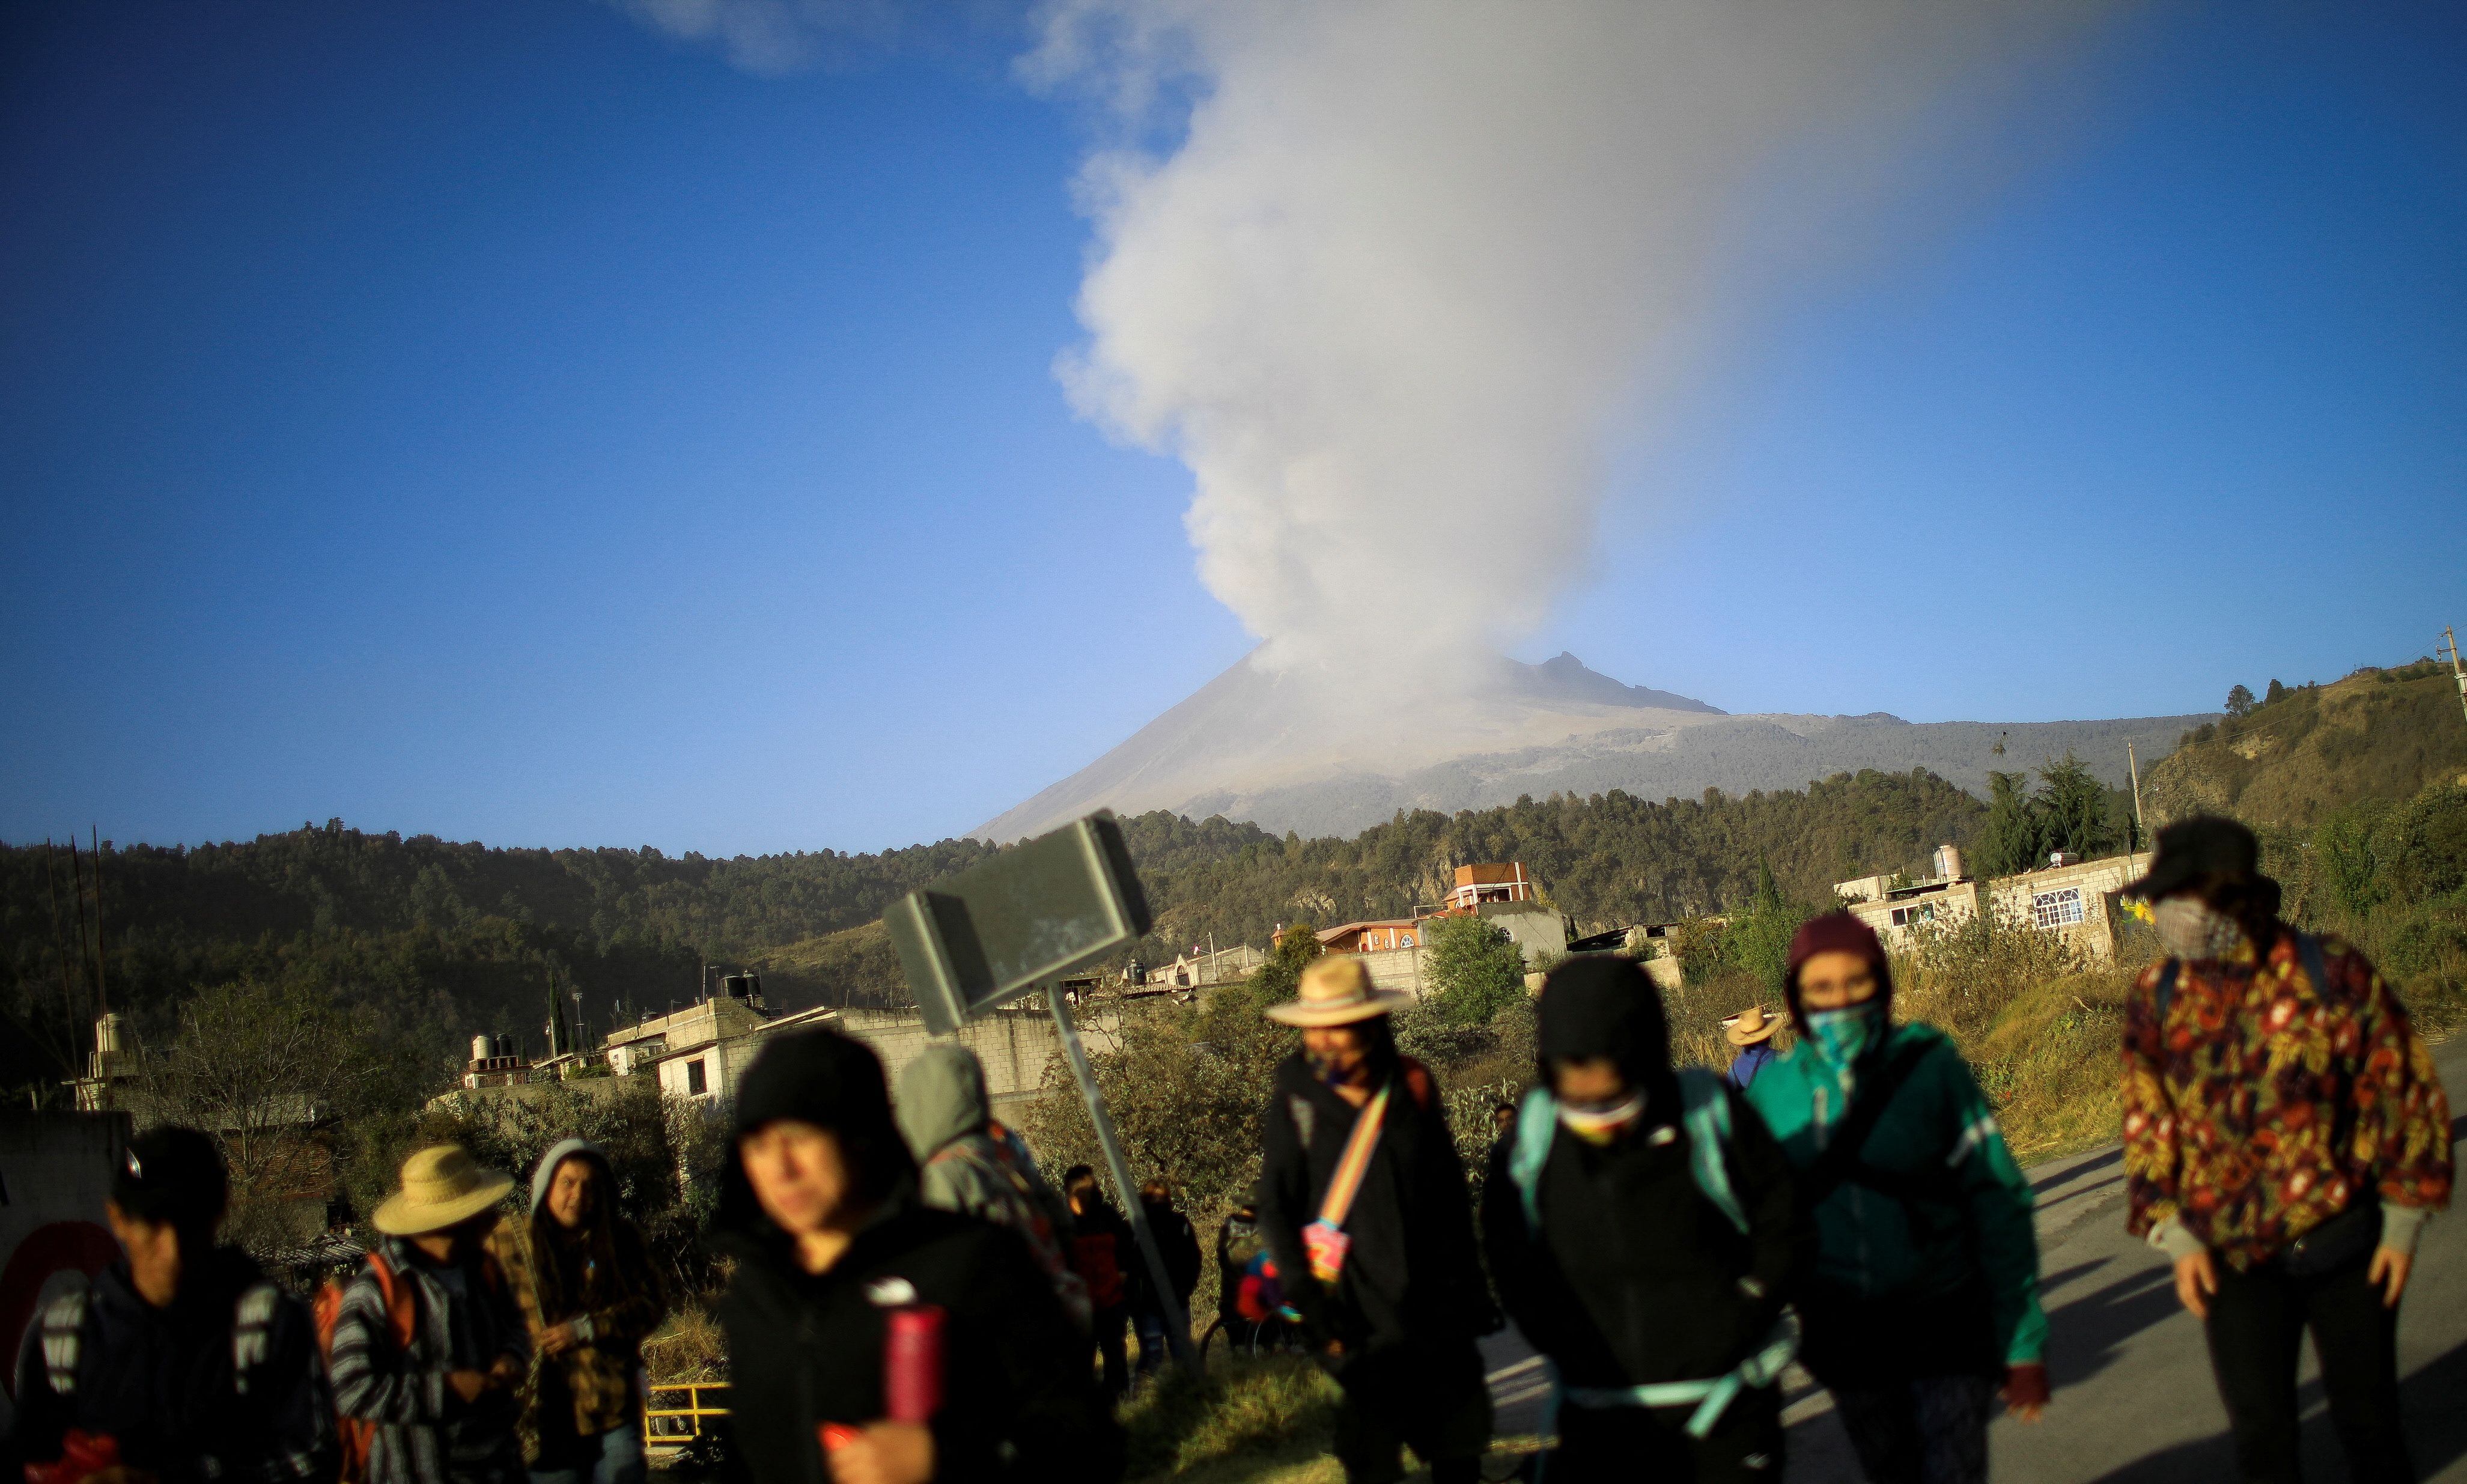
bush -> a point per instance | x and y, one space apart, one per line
1477 968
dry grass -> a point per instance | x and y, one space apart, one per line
690 1347
1246 1416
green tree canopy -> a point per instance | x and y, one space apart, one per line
1475 967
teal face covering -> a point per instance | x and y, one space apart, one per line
1843 1036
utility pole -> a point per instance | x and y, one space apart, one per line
2456 673
2133 766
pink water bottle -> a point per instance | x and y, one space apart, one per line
911 1362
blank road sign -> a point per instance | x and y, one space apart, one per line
1033 913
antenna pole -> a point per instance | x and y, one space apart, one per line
76 896
68 986
2456 673
2134 766
101 996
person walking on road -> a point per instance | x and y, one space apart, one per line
1924 1302
1752 1031
181 1363
965 1165
1363 1201
1178 1244
835 1254
590 1296
1643 1230
2285 1137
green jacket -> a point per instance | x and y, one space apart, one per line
1976 1223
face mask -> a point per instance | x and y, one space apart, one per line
1842 1036
2193 929
1598 1123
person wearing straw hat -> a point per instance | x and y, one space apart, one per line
429 1348
1752 1031
1363 1203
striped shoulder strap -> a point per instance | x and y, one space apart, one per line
64 1340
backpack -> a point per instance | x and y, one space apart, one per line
402 1321
63 1335
1705 1112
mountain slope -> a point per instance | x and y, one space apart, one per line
1264 749
2376 735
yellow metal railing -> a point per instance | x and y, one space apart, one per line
667 1424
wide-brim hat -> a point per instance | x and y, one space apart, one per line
1749 1027
2191 850
1336 992
442 1186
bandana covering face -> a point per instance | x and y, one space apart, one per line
2193 929
1842 1036
1599 1123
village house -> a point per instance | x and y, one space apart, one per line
2073 899
1502 893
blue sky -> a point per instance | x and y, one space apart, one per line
513 423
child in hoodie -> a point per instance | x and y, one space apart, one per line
1641 1227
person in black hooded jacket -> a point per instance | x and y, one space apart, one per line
1621 1269
817 1206
1396 1325
184 1355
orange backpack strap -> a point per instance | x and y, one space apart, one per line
402 1307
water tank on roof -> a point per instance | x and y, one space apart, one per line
742 986
1948 861
505 1045
480 1048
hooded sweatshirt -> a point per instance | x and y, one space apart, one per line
602 1281
1927 1262
944 1116
1020 1401
1634 1276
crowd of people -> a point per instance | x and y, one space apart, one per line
910 1299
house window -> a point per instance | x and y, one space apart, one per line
696 1084
2056 909
1912 916
1405 941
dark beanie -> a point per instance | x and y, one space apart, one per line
1601 1004
1836 932
174 1176
832 1082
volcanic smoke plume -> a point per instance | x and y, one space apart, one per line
1403 270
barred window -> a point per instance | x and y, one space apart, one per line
2056 909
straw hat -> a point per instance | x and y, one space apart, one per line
442 1186
1336 991
1749 1027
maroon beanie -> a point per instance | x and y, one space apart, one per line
1836 932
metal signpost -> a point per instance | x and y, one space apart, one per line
1016 924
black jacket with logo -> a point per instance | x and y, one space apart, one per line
1020 1401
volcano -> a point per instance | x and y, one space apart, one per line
1316 756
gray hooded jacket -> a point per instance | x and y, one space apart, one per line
962 1166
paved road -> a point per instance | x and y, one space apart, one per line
2134 1400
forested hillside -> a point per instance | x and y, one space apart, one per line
440 939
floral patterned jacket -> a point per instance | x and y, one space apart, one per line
2266 1103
